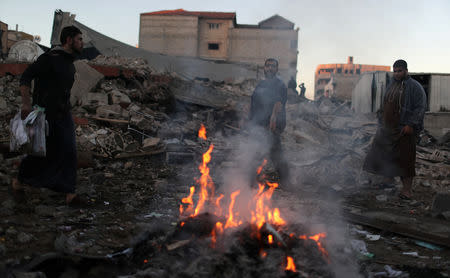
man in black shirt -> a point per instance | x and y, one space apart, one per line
268 111
53 74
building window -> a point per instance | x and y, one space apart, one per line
358 71
213 46
339 70
351 71
214 25
294 44
346 71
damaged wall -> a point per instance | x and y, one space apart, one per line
185 67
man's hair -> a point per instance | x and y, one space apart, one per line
271 60
400 64
68 32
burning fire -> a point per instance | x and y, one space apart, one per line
259 205
202 132
290 264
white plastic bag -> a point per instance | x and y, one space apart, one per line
18 134
28 136
36 130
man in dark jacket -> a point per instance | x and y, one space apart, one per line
393 151
268 111
53 74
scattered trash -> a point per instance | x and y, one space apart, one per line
360 247
428 245
154 214
373 237
414 254
381 198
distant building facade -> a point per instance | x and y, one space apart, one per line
3 38
217 36
338 80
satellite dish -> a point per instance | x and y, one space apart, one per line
25 51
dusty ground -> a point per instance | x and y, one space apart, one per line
136 201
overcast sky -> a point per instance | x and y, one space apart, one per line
372 31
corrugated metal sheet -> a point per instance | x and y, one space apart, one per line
367 96
440 93
361 94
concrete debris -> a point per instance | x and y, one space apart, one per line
24 238
137 137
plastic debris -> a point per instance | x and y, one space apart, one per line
428 245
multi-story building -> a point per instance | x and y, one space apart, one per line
338 80
217 36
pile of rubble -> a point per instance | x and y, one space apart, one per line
145 116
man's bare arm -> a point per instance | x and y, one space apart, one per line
273 119
26 101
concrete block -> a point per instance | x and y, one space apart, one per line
86 78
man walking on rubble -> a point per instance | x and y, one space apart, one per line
268 111
393 151
53 74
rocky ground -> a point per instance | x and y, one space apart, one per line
139 153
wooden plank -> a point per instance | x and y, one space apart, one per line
113 121
138 154
425 229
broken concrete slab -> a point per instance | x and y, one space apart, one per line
120 98
150 143
94 99
112 111
86 78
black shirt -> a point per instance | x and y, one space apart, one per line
53 74
266 94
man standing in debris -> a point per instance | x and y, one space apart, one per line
53 74
302 90
393 151
268 110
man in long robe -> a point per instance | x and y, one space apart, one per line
393 151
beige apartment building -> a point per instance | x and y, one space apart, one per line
217 36
338 80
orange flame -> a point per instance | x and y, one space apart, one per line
290 266
206 184
218 230
218 209
202 132
302 237
258 171
260 205
188 200
316 238
262 212
230 221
